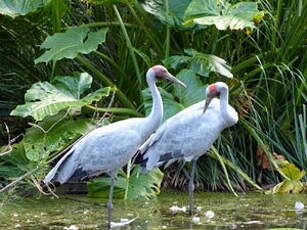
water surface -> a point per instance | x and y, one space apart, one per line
250 211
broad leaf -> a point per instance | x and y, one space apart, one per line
291 171
203 64
70 43
200 8
38 145
288 187
176 61
14 8
45 99
200 63
140 185
171 107
235 17
195 91
170 12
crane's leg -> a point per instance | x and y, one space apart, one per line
110 201
191 187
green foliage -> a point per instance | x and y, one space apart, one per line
200 63
293 184
70 43
170 12
223 15
41 142
269 66
45 99
20 7
138 185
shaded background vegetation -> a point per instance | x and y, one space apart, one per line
268 87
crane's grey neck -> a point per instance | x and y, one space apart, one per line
224 102
156 114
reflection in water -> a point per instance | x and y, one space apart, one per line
248 211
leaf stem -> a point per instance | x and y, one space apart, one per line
147 32
116 110
98 24
129 45
110 60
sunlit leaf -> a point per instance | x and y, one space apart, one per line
176 61
288 186
45 99
170 12
70 43
38 145
200 63
235 17
200 8
291 171
14 8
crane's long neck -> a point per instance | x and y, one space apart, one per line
224 104
156 114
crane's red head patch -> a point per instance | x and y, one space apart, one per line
212 88
160 71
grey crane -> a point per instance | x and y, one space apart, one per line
190 133
109 148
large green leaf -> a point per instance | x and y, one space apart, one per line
45 99
200 63
200 8
139 186
170 12
224 15
171 107
294 173
38 145
14 8
195 91
70 43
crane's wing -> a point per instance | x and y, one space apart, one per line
100 152
175 138
50 176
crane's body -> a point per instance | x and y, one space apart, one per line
190 133
109 148
104 150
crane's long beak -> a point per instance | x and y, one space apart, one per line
208 100
175 80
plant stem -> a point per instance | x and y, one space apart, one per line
110 60
98 24
116 110
221 160
168 32
129 45
121 96
147 32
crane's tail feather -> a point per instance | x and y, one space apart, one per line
52 174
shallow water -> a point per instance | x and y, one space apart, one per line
250 211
